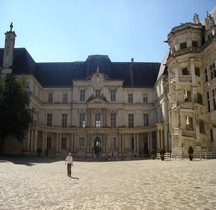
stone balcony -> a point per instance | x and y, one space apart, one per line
189 133
185 78
186 105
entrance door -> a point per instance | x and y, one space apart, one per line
97 146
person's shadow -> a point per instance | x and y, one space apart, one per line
74 177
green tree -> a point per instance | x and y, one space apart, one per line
15 113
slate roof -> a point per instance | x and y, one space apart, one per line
61 74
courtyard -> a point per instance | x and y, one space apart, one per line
37 183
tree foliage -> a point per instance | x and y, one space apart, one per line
15 113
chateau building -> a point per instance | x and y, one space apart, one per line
123 108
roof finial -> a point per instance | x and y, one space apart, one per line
196 19
11 27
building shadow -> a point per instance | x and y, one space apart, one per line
28 160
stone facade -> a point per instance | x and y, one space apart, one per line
192 85
100 113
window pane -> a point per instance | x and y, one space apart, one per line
64 143
50 97
97 120
113 95
49 119
130 120
113 119
82 120
82 95
130 98
65 98
64 120
97 93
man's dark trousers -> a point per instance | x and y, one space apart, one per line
69 169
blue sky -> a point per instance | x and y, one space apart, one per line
70 30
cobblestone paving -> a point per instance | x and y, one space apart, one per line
124 185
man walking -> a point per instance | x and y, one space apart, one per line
69 161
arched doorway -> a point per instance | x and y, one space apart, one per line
97 146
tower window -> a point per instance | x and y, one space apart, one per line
183 45
197 71
194 44
185 71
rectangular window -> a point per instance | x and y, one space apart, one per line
189 123
194 44
208 102
211 135
214 98
206 75
130 98
82 95
97 120
113 95
114 143
130 120
64 120
146 119
113 120
81 141
64 143
50 97
97 93
183 45
65 98
49 119
145 98
201 126
49 143
185 71
197 71
199 98
82 120
213 70
187 96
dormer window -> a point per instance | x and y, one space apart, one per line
97 93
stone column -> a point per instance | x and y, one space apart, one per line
176 70
158 139
119 143
192 70
35 140
45 141
57 140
